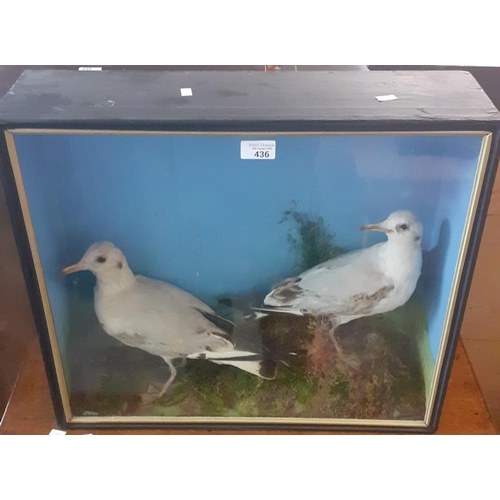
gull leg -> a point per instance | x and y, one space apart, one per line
351 360
183 363
173 373
331 333
336 343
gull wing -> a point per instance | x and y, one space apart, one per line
348 285
166 321
173 320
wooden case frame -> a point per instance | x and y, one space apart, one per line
485 121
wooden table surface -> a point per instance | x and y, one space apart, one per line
30 408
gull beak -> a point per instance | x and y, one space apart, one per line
374 227
72 269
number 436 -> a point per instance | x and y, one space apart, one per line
261 154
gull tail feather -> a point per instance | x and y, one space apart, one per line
262 368
250 362
248 311
266 311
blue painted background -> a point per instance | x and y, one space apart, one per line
189 211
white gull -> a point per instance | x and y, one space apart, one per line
160 318
373 280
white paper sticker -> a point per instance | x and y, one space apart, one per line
89 68
87 413
383 98
57 432
258 150
186 92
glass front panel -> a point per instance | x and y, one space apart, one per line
272 302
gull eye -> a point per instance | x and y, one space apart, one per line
403 227
101 259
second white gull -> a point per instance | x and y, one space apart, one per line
372 280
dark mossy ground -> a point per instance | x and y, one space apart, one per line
379 376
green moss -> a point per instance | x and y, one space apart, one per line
309 237
300 385
244 383
245 408
339 388
166 411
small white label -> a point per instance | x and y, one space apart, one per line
258 150
87 413
186 92
383 98
89 68
57 432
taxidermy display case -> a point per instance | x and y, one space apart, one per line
246 250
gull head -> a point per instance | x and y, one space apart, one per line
104 260
399 226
